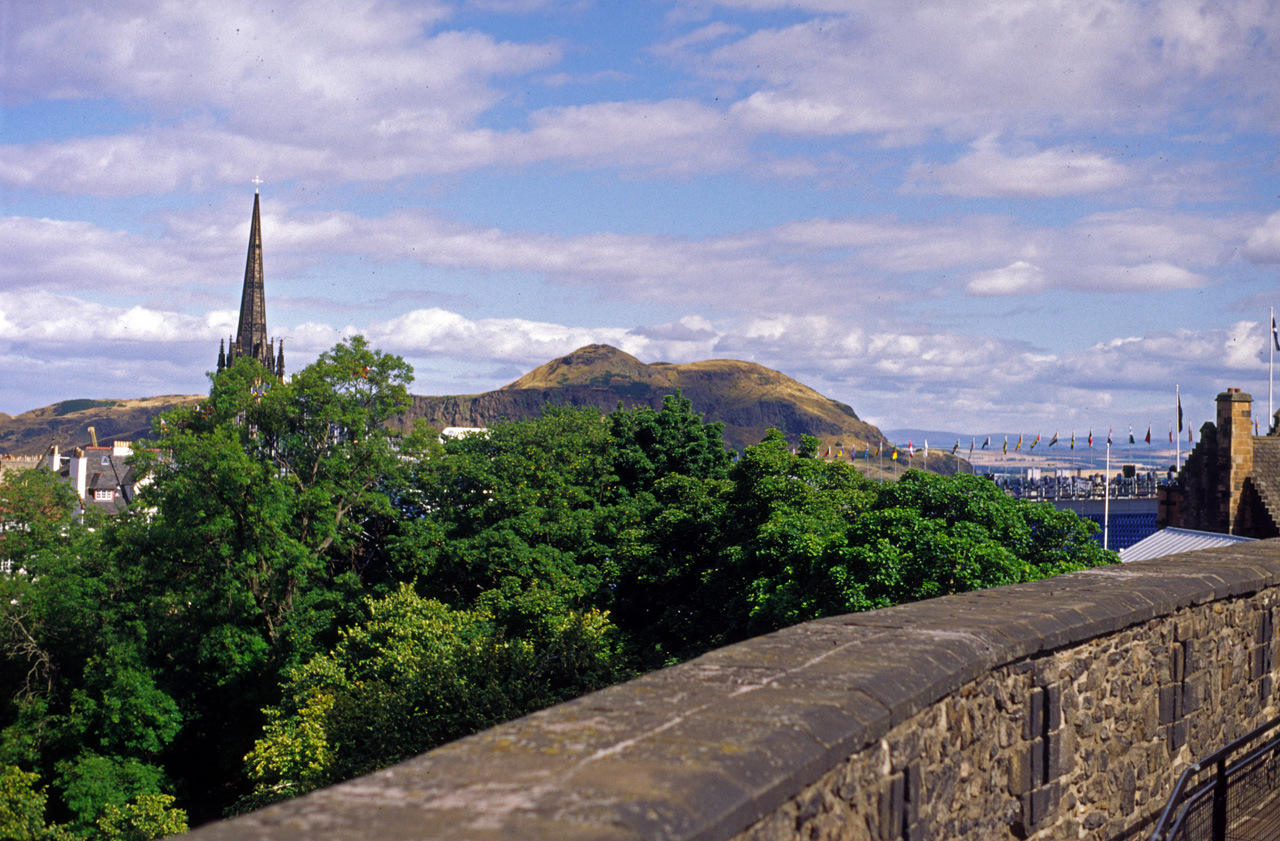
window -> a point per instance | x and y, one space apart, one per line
101 495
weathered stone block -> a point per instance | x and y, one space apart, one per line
1053 708
1257 662
1034 725
1020 771
1170 703
1195 691
1039 771
892 797
1041 804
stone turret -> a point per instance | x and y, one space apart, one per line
1235 456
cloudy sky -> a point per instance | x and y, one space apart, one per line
962 214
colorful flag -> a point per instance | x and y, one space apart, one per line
1018 446
1073 439
911 450
894 457
1274 335
1091 438
1037 441
1170 433
1148 433
972 442
1188 433
840 452
986 442
1131 441
1108 436
1006 445
1054 439
956 448
1179 411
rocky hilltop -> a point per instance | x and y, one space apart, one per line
67 423
747 398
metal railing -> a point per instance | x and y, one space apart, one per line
1215 796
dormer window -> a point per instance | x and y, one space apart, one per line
103 496
106 460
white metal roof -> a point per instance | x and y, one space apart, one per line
1173 541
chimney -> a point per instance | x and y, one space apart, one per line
1235 455
79 472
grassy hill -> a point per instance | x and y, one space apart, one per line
748 398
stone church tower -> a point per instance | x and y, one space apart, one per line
251 333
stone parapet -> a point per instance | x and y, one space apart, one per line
1062 708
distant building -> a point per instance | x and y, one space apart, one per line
99 475
462 431
251 332
1230 483
18 463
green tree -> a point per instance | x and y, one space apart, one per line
411 676
528 505
249 547
674 440
790 538
143 818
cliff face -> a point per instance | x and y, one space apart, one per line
747 398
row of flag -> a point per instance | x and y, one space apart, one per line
894 451
838 450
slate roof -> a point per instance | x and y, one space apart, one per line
1175 541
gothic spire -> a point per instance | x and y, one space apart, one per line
250 338
251 333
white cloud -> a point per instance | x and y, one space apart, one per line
972 66
43 317
54 254
1017 278
1263 244
1145 277
988 171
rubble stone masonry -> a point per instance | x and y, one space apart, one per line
1064 708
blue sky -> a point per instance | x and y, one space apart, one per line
963 214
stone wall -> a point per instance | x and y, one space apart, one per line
1059 709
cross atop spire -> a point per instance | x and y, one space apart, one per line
255 182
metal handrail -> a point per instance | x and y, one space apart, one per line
1215 785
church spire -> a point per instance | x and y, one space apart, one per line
251 333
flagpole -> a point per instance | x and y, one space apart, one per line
1177 458
1106 500
1271 370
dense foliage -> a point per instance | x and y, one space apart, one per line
301 595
